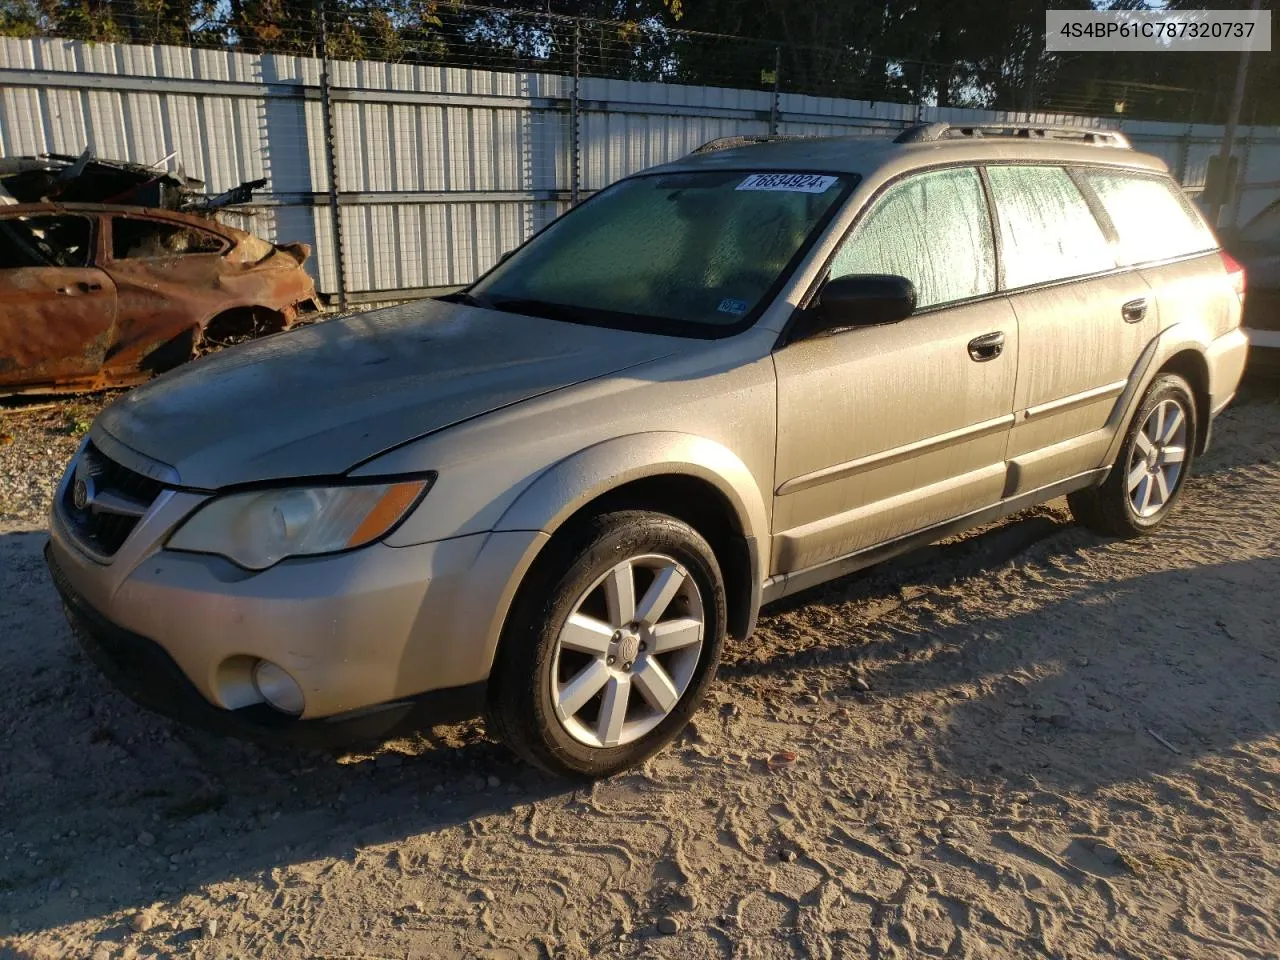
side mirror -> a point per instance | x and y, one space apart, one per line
859 300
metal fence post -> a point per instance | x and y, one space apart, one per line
575 117
776 106
1242 180
330 154
1184 156
920 81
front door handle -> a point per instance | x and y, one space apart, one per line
986 347
1134 310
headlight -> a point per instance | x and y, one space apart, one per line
259 529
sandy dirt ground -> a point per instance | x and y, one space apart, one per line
1024 742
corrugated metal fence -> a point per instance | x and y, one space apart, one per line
439 170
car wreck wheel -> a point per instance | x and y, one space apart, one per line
611 644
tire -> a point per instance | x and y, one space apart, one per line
1145 481
540 700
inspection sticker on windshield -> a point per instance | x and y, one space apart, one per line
732 305
790 182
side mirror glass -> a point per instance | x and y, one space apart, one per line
859 300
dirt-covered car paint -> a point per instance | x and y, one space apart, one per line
95 296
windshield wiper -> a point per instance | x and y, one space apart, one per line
464 298
536 308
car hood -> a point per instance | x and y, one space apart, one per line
318 400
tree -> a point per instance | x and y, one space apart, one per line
122 21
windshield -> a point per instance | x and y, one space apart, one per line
694 254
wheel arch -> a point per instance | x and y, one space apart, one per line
1184 357
693 479
1191 365
242 320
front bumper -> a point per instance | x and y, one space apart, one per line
145 672
388 636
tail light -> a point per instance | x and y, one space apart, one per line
1236 273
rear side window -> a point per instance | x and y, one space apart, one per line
932 229
1047 231
1152 217
136 239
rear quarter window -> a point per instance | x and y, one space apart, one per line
1153 219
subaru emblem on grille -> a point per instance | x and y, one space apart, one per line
83 489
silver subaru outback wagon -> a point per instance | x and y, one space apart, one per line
553 497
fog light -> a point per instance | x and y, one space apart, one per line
278 688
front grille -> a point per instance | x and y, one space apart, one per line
116 499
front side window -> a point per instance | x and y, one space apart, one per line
61 241
133 238
1153 219
694 253
932 229
1047 231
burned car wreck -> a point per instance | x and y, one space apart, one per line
61 178
95 296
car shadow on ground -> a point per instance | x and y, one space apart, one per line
1118 680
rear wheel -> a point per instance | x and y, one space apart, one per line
1147 477
611 644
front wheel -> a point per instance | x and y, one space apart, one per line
1154 461
611 644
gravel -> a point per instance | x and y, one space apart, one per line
37 438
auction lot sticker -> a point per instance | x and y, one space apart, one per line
789 182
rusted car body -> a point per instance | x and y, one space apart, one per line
95 296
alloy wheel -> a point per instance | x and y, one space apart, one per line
1156 459
621 664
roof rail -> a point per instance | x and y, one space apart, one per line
745 140
930 132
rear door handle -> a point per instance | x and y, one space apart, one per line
986 347
75 289
1134 310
